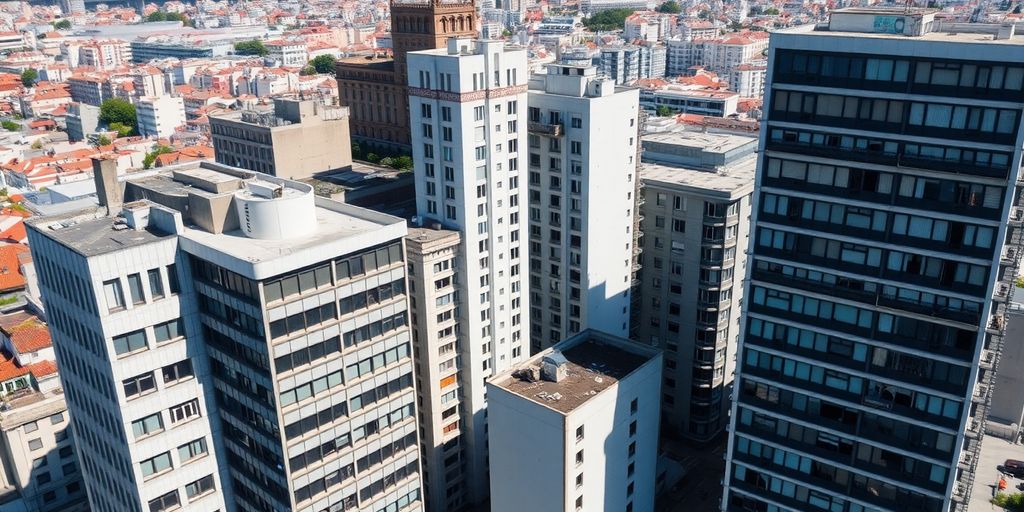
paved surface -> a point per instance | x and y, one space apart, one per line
993 452
700 490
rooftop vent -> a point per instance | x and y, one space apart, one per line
553 367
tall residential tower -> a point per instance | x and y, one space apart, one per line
229 341
881 265
467 106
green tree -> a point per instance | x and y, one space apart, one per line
663 111
29 77
704 15
103 140
402 163
771 11
735 26
1014 502
372 158
254 47
506 33
670 7
158 150
122 129
357 151
611 19
387 161
323 63
10 126
62 25
157 16
307 70
120 112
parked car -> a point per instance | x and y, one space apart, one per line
1013 468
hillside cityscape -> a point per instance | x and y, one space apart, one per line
302 255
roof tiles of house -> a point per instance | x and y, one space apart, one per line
11 277
27 333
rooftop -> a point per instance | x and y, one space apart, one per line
917 24
285 224
593 362
733 181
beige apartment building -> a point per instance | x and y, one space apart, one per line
294 139
697 191
433 281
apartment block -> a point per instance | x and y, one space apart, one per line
465 103
440 378
887 237
583 140
40 471
233 342
295 139
697 192
159 116
575 427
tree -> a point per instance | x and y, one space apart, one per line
38 144
372 158
402 163
704 15
62 25
157 16
307 70
323 63
10 126
116 111
506 33
254 47
735 26
670 7
611 19
29 77
103 140
771 11
122 129
158 150
663 111
357 151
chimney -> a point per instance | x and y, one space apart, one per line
108 190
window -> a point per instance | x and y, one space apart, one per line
168 501
479 113
185 411
149 425
579 457
35 444
167 330
131 342
56 419
178 371
199 487
31 427
172 279
187 452
140 384
633 406
155 465
135 287
156 283
579 433
114 294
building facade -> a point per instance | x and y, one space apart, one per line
159 116
40 471
583 140
257 359
376 90
82 120
878 278
697 192
465 103
295 139
575 427
440 378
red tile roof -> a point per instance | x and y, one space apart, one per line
10 271
28 334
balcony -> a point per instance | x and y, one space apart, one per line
988 359
1016 215
980 394
545 129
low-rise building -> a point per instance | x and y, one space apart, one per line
295 139
575 427
159 116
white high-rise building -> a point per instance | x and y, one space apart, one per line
465 103
582 175
575 428
230 341
159 116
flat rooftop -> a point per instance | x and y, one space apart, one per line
706 141
593 365
330 228
732 181
889 23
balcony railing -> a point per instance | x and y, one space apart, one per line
549 130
